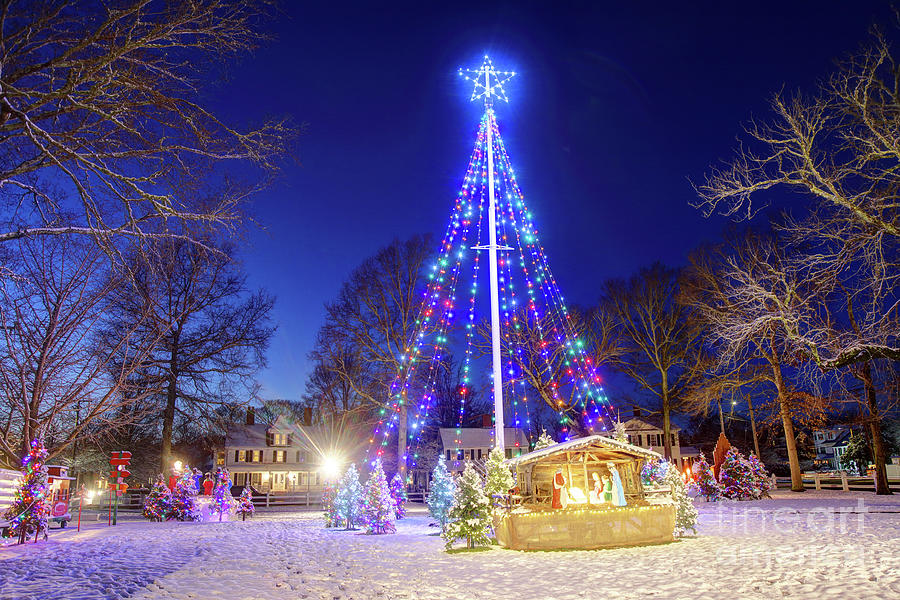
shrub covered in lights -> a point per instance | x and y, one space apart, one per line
685 513
377 506
736 477
329 507
654 472
398 495
27 515
158 504
245 503
707 485
499 478
348 498
761 479
440 497
470 516
184 498
222 499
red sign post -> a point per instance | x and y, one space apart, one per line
117 485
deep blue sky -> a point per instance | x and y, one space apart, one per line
617 104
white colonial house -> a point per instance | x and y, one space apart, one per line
646 432
830 446
474 443
276 457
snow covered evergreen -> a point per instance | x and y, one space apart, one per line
440 496
470 516
348 498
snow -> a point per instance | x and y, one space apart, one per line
811 545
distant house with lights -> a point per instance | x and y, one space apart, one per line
647 432
276 457
830 446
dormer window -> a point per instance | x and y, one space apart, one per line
278 439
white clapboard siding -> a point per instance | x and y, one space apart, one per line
7 487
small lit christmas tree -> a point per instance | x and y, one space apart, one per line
440 497
245 503
377 510
543 440
707 485
184 498
620 435
685 513
158 502
27 515
398 494
470 516
654 472
736 476
760 480
329 507
349 495
499 478
222 499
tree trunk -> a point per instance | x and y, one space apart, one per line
882 488
667 425
790 440
165 458
401 440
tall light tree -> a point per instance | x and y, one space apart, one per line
658 336
104 126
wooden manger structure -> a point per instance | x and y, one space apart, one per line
531 523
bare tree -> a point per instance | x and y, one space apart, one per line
102 123
370 327
212 331
839 150
658 337
58 375
744 292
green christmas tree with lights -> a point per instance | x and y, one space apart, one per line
377 510
543 440
499 478
222 499
736 476
159 502
184 498
348 498
707 485
245 503
685 512
440 496
27 515
470 516
329 506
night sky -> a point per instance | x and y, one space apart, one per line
616 107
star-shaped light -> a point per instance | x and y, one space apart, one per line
488 81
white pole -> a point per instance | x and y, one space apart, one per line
495 294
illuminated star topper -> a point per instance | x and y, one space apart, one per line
488 81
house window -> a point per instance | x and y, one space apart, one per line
256 479
673 440
240 479
639 440
257 456
220 459
508 452
279 439
278 456
448 455
240 456
479 454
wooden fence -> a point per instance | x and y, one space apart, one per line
840 482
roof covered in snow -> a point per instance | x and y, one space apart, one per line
595 441
481 437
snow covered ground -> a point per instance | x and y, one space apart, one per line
815 545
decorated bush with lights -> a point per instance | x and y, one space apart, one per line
245 503
707 486
348 499
184 498
499 478
222 499
377 506
685 513
398 495
761 480
470 516
329 507
158 504
654 472
736 476
27 515
440 496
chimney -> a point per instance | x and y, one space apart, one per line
307 415
251 418
486 421
636 412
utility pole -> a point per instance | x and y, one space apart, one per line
753 425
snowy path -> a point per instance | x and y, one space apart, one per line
819 545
